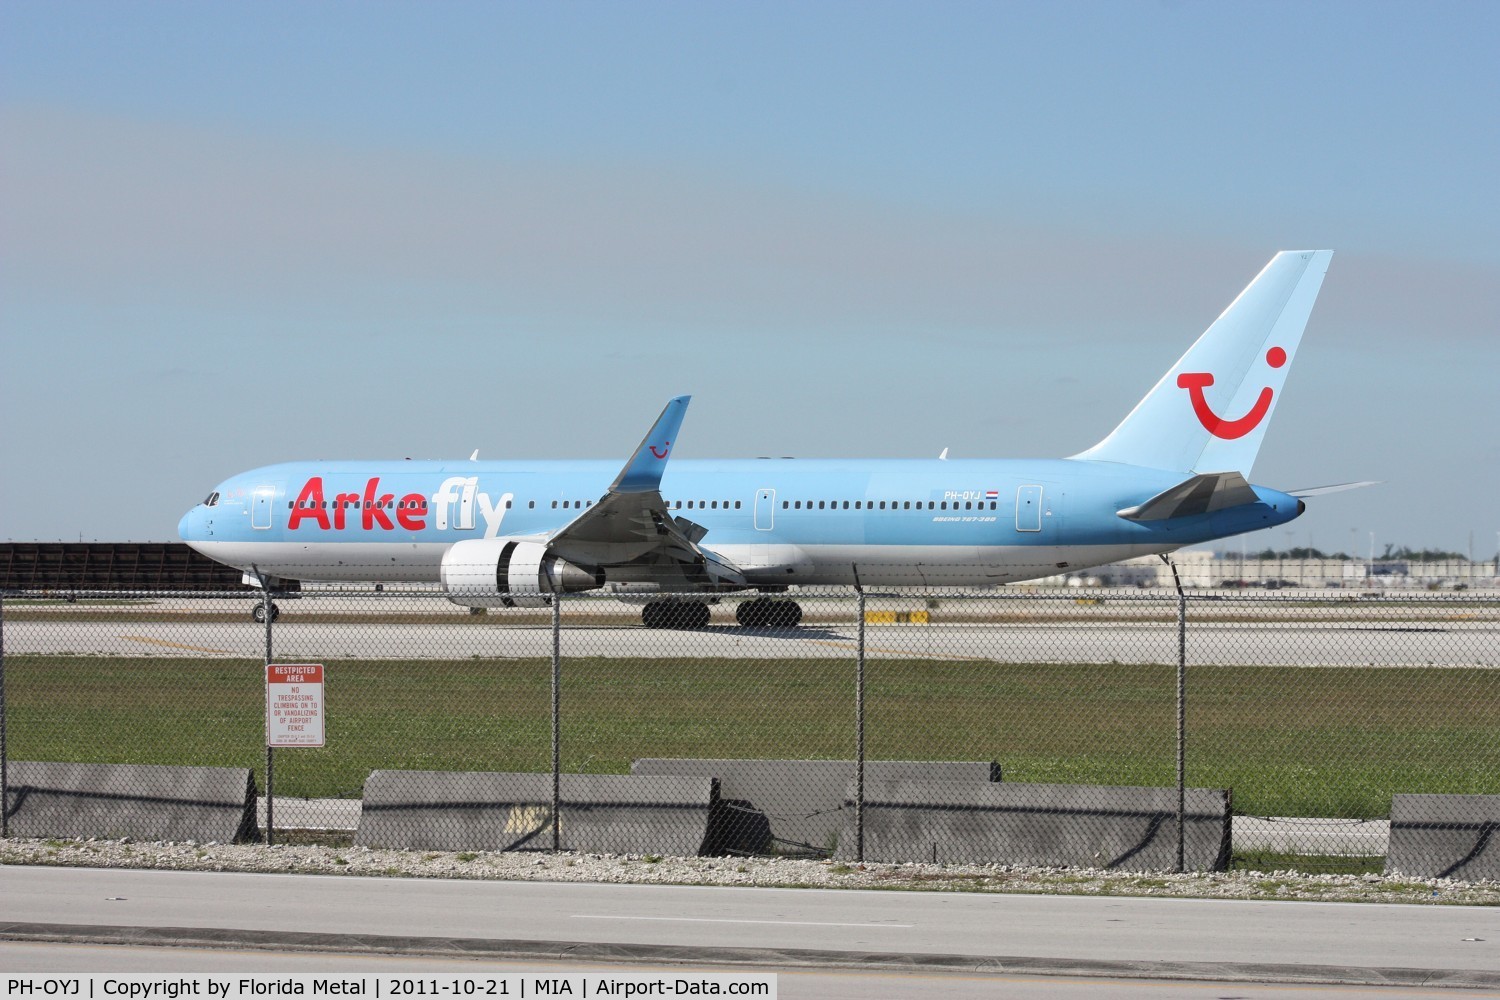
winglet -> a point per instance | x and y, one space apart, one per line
1318 491
642 474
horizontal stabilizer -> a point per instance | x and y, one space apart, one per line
1318 491
1199 495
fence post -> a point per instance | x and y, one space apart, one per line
859 738
556 720
4 751
268 606
1181 712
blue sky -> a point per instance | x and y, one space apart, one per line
239 233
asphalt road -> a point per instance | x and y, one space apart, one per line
792 983
932 933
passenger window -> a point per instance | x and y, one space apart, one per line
882 505
786 504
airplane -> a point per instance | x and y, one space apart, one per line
677 536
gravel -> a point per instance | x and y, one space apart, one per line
777 872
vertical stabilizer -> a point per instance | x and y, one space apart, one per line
1210 411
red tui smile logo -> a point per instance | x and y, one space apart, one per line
1223 427
666 448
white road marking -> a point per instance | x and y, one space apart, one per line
722 920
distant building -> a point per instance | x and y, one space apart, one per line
1230 570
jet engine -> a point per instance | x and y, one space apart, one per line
510 573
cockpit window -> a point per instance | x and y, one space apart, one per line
212 499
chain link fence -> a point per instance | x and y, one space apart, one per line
943 726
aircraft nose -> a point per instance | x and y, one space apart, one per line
186 525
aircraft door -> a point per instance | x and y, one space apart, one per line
260 507
1029 508
765 510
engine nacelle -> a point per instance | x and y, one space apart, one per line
510 573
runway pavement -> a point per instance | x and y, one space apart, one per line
1367 944
1391 642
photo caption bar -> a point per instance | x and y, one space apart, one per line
521 985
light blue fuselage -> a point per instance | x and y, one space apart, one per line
783 521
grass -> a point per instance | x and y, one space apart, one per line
1270 861
1288 741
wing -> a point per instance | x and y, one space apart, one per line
1319 491
631 530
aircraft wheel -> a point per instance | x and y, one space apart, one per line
700 615
766 613
753 614
258 612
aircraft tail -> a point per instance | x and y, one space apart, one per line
1210 411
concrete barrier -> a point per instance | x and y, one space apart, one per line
795 806
139 801
1089 826
601 813
1445 836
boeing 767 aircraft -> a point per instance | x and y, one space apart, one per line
508 534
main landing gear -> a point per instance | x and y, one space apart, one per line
762 612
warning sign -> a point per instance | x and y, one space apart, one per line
294 705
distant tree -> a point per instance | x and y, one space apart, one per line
1423 555
1298 553
1392 553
